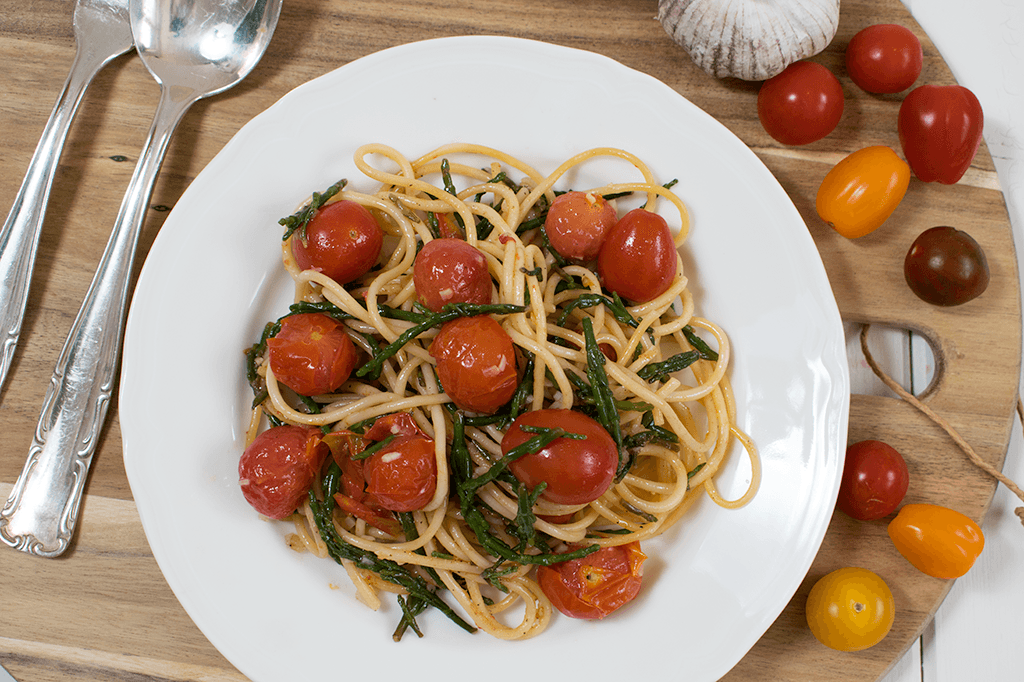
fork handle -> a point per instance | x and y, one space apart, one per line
19 238
41 514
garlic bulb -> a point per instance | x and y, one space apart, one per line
749 39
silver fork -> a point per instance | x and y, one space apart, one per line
103 31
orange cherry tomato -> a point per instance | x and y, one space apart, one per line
850 609
938 541
863 190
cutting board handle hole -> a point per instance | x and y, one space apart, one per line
904 354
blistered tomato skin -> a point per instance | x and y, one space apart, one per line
875 480
850 609
860 192
940 128
638 260
884 58
578 223
938 541
596 585
402 476
801 105
575 471
311 354
451 271
278 468
946 267
343 241
476 363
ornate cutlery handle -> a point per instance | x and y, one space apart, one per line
42 511
19 238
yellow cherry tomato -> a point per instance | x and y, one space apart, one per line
850 609
938 541
863 190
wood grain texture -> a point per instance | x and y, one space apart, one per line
104 612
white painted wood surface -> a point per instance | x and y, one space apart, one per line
977 633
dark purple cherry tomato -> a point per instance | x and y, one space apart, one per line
800 105
311 354
476 363
946 267
884 58
343 241
451 271
576 471
875 480
402 476
278 468
577 224
596 585
638 260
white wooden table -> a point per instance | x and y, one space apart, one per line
976 634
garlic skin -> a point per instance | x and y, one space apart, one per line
749 39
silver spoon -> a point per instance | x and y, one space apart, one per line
194 49
102 31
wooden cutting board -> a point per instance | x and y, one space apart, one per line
104 612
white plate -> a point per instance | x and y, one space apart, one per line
213 278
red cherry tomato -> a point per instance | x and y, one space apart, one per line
940 129
402 476
476 363
800 105
884 58
576 471
946 267
278 468
343 241
875 480
638 260
451 271
597 584
311 354
394 424
577 224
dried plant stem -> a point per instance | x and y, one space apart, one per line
957 438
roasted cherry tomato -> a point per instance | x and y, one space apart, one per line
343 241
402 476
862 191
938 541
946 267
394 424
597 584
875 480
576 471
940 129
311 354
884 58
577 224
800 105
638 260
850 609
278 468
476 363
451 271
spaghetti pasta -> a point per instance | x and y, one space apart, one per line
652 373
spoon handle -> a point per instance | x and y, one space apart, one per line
42 511
19 237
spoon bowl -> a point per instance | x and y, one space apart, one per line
206 46
194 49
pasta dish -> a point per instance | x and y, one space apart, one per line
491 388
